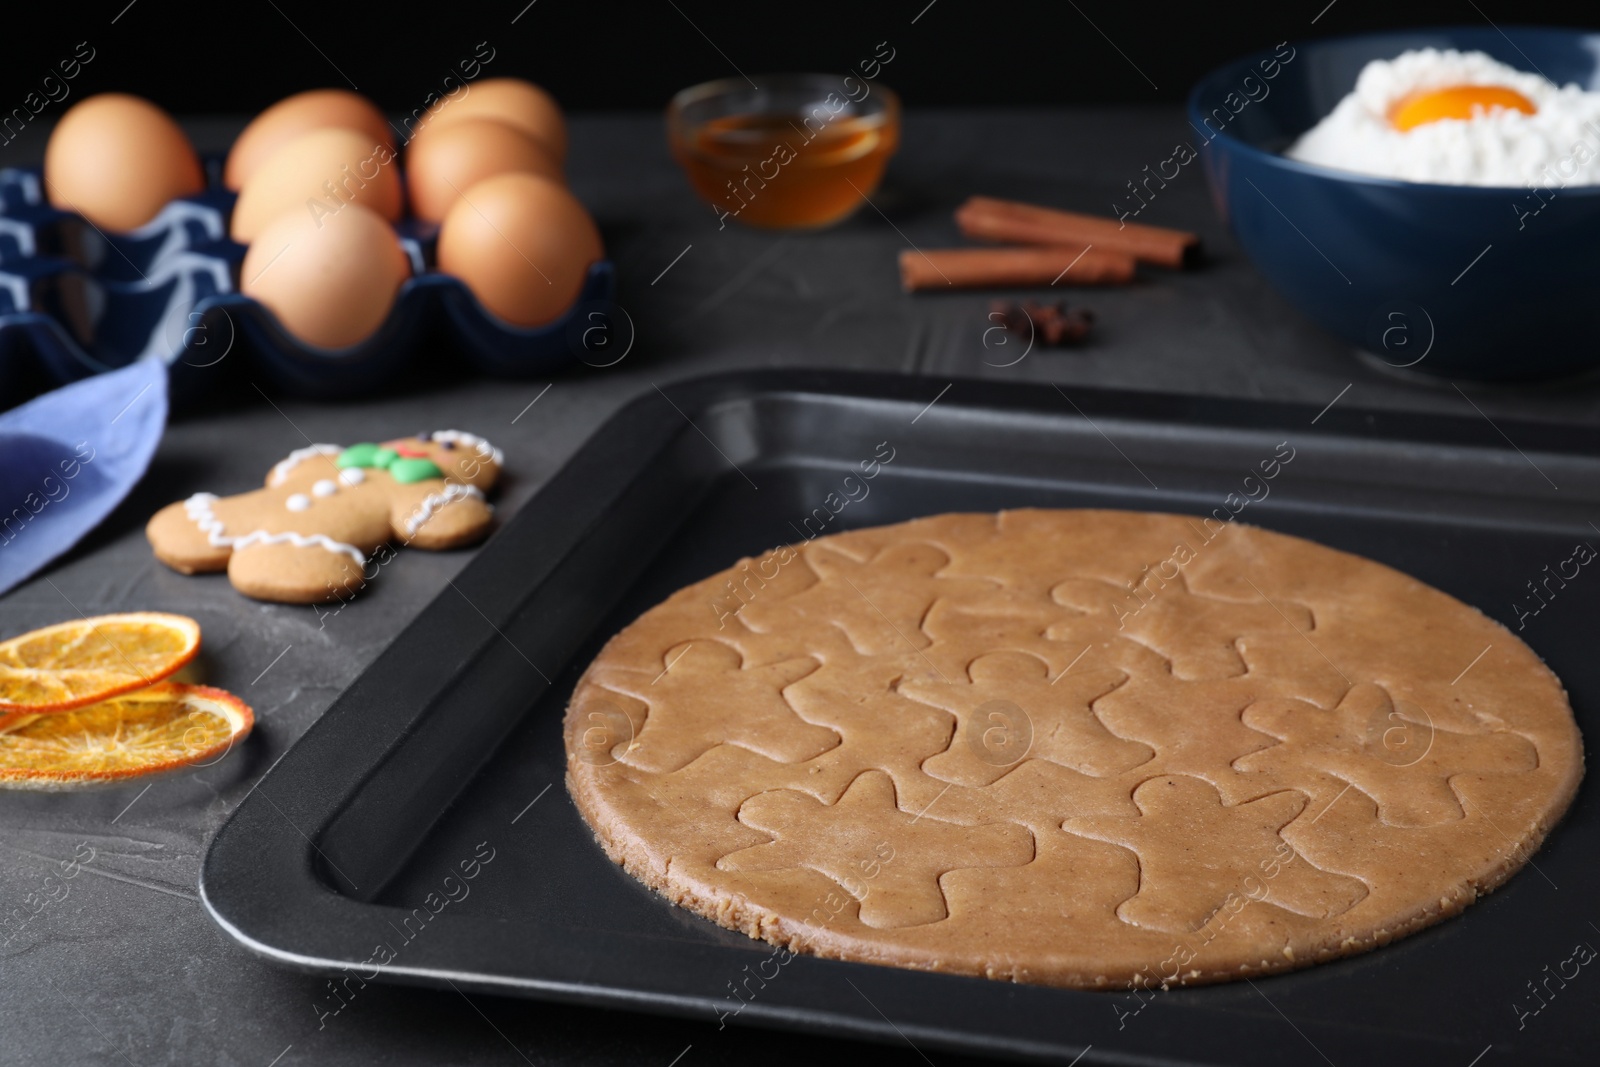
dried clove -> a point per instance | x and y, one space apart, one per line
1052 324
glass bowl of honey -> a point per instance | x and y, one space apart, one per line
785 151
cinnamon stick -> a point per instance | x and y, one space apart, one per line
1014 222
1005 268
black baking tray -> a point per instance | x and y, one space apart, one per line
448 752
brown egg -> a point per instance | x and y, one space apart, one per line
522 244
316 173
510 100
331 281
117 159
440 166
296 115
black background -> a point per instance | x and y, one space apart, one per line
233 56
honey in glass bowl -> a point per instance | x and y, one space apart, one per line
790 151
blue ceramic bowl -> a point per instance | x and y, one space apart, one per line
1463 281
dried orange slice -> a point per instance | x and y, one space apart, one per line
160 728
84 661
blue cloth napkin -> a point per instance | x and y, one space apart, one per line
69 457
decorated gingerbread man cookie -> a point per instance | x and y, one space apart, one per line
307 536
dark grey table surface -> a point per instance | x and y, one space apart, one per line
128 969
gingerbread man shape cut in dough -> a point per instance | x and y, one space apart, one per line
705 695
1182 625
879 603
1010 697
1004 620
890 860
1195 854
1398 756
306 537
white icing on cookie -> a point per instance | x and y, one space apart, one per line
198 508
352 476
261 537
471 440
281 470
434 501
297 502
325 487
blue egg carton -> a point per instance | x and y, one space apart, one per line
76 301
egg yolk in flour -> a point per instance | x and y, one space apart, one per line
1456 102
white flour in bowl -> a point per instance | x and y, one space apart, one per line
1557 145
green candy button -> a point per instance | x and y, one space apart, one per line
365 455
407 470
404 469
